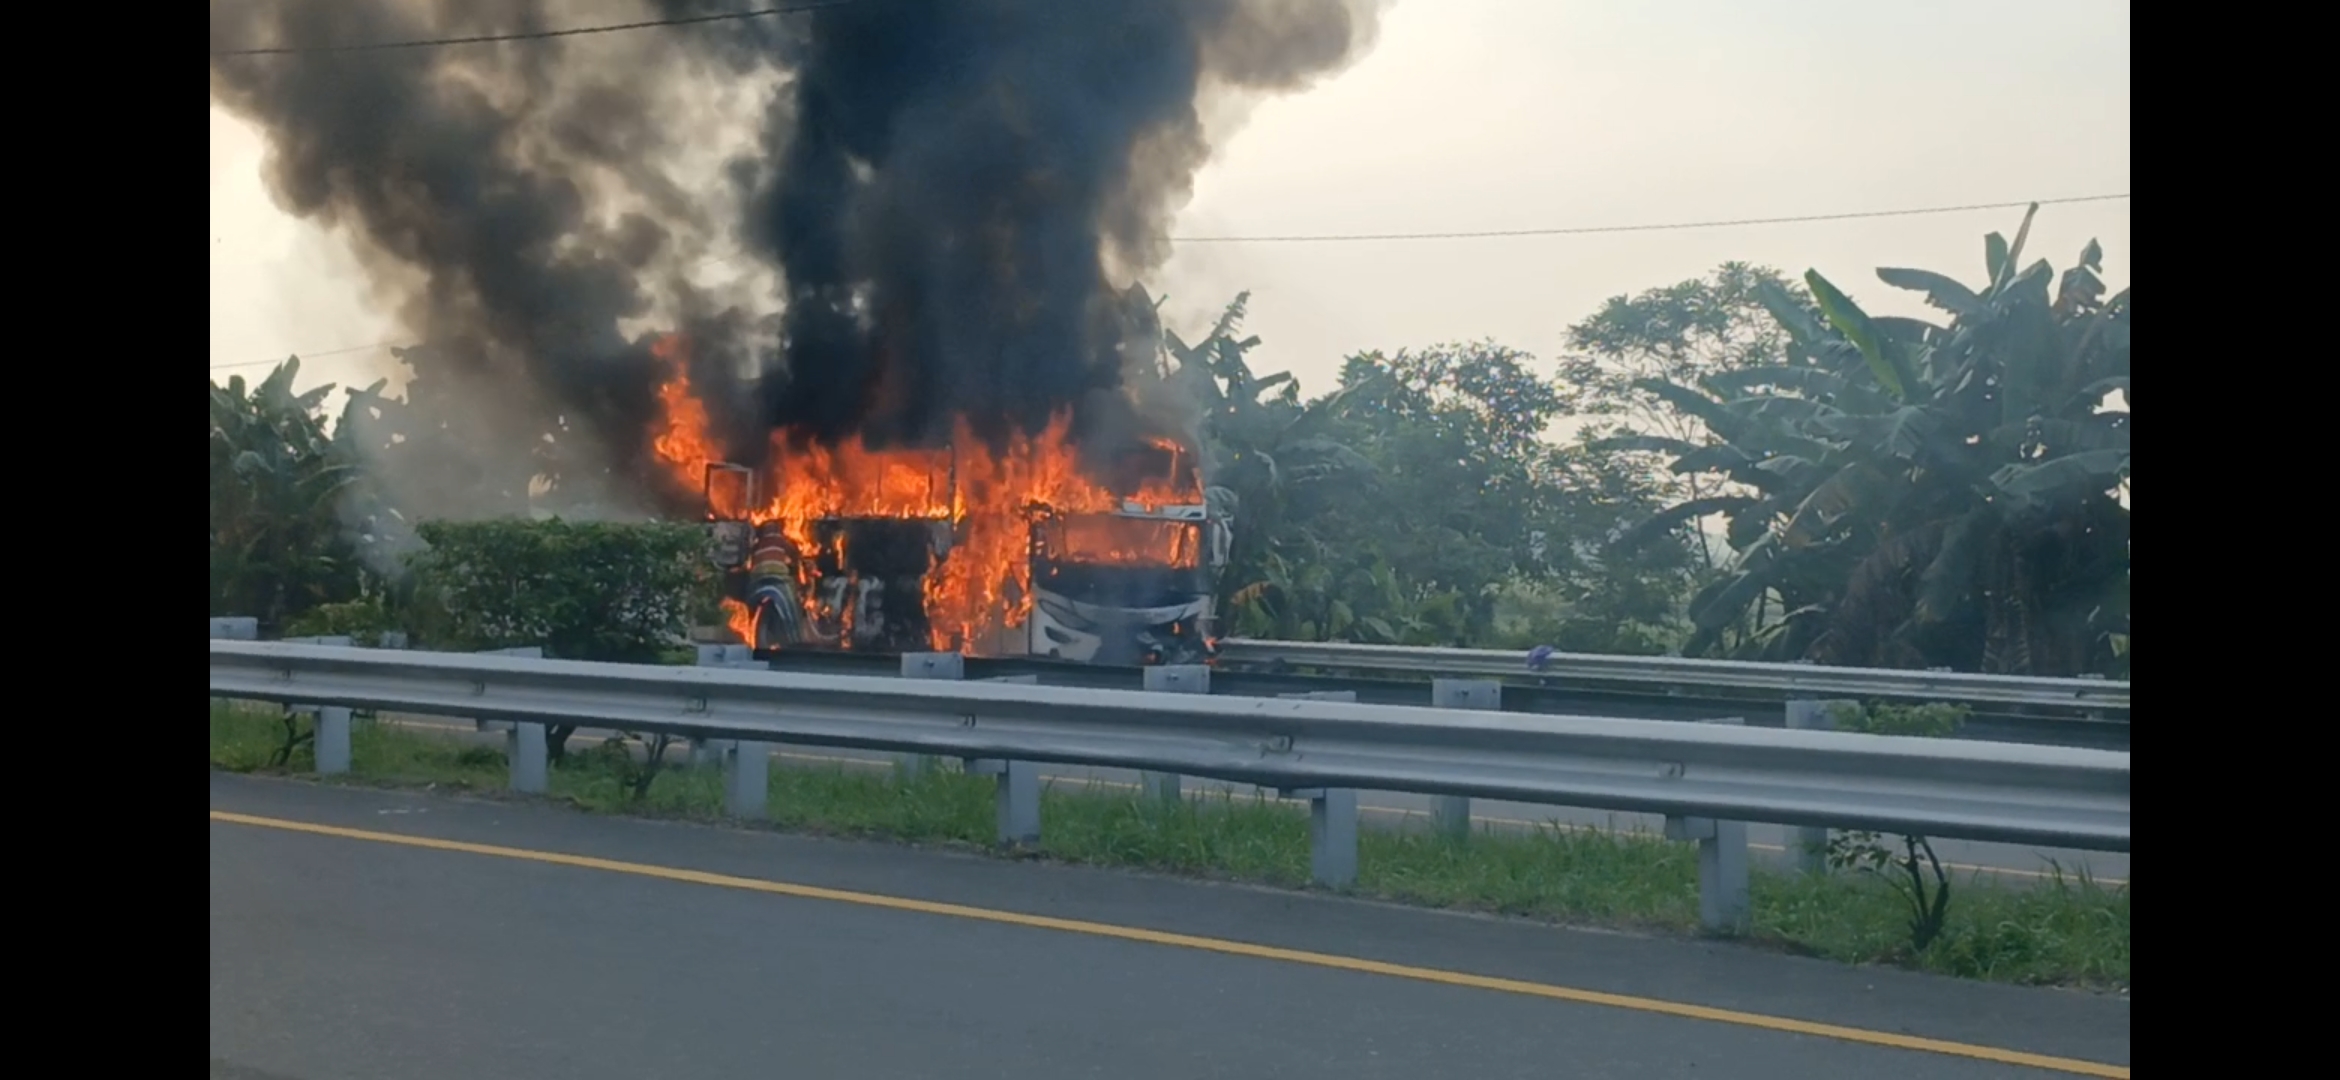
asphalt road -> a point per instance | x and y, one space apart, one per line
345 947
2005 863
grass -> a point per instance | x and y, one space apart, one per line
2067 931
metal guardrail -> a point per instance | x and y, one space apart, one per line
1801 680
1698 775
1562 697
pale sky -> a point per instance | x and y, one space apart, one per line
1476 115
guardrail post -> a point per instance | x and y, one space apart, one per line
1723 901
1017 801
1332 834
332 735
524 652
748 786
1332 815
926 665
525 751
527 758
1450 815
1808 844
332 740
1172 679
716 752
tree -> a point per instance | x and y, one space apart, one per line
1927 496
280 486
1680 334
1614 597
1478 500
1263 448
1422 502
1463 497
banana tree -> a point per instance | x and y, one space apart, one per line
1264 447
278 485
1928 495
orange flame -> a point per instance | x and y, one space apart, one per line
991 500
741 621
686 437
1122 541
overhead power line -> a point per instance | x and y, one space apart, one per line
1588 230
539 35
308 356
1569 231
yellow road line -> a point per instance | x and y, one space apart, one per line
1390 811
1216 945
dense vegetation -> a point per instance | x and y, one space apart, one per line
1740 464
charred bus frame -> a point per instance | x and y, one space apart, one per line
1095 595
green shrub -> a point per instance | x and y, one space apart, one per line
584 591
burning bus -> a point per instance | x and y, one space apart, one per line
1013 552
1027 544
1098 597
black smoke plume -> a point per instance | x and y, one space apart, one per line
944 190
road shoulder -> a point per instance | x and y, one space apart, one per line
1712 974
